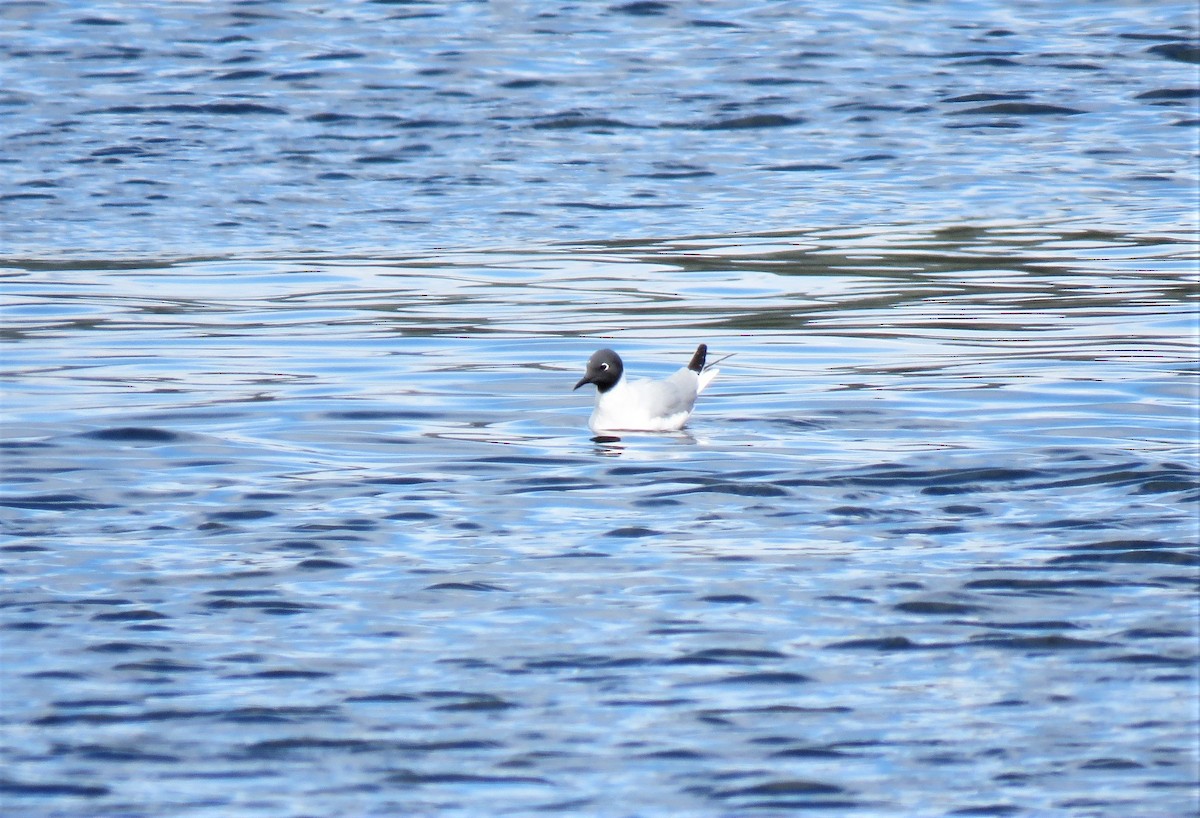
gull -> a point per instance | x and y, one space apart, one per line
644 405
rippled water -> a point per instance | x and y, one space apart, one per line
324 536
302 516
381 125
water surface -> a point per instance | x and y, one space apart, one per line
329 535
380 127
303 517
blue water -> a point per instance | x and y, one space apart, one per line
303 518
184 129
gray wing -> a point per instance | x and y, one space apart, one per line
669 396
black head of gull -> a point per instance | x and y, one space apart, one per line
604 369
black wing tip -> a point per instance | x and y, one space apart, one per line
697 362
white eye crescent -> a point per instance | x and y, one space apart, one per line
604 367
